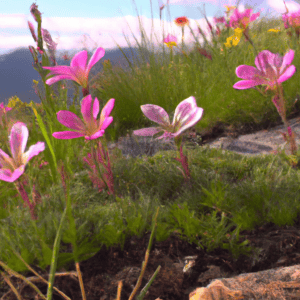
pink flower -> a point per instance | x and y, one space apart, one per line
270 68
44 163
90 128
3 111
242 19
170 40
187 114
291 20
219 20
78 71
11 168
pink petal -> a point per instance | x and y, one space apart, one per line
150 131
99 53
246 84
79 60
9 176
70 120
156 114
86 109
18 140
64 135
289 72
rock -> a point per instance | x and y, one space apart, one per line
136 146
275 284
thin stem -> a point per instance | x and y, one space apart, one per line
120 285
246 34
10 271
23 194
102 160
39 277
144 264
11 285
290 135
80 281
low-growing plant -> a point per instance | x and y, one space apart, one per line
221 194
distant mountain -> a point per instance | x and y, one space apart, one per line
17 72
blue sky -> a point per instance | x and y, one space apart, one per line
102 22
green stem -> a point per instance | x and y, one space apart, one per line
246 34
182 158
76 95
171 54
100 149
281 100
23 194
182 36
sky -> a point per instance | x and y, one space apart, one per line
102 23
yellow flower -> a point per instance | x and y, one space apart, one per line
14 101
273 30
229 8
235 39
238 32
171 44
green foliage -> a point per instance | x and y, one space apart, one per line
229 193
185 220
13 261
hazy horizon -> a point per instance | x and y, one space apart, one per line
69 27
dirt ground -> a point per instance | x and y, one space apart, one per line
279 247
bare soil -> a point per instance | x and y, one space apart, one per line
279 247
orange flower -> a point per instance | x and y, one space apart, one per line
182 21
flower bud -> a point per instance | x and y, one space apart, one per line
34 54
35 13
32 31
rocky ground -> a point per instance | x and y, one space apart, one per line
276 247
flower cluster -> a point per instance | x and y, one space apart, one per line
271 70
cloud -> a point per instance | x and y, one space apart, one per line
187 2
106 32
278 5
68 32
